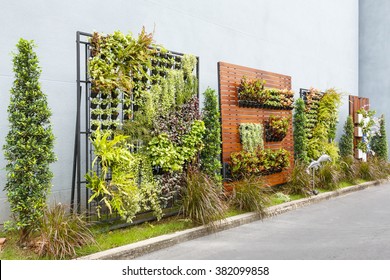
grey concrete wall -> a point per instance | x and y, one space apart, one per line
374 58
316 42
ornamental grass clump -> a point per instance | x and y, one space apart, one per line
61 233
201 200
328 176
299 181
250 194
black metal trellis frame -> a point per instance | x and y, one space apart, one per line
83 153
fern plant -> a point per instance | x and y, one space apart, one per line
29 143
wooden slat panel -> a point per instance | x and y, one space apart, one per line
355 103
232 115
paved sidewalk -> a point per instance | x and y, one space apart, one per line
353 226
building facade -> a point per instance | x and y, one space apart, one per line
315 42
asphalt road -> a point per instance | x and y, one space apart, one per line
355 226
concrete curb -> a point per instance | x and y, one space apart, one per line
137 249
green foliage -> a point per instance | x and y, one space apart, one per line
259 162
311 110
251 93
300 138
366 124
61 233
115 56
299 181
379 141
250 194
201 199
121 193
346 141
29 143
251 135
276 128
324 131
349 169
210 155
170 157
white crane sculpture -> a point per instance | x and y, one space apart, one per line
315 165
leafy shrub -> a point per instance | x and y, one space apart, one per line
373 169
29 143
346 141
61 233
300 137
201 198
250 194
211 153
379 141
251 135
299 181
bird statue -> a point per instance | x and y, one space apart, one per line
315 164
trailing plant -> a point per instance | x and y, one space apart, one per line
346 141
259 162
201 200
324 131
299 133
379 141
251 135
299 181
61 233
29 144
276 128
250 194
211 153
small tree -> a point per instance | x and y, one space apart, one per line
29 143
346 141
379 141
210 155
300 139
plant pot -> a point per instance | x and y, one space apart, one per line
104 105
114 126
177 66
358 131
104 116
178 58
114 116
114 103
126 106
94 94
154 72
94 116
94 127
104 126
94 105
114 94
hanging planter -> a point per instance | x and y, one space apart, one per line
104 116
96 113
358 131
114 115
276 128
95 124
95 103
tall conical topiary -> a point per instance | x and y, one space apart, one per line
300 139
29 143
379 142
346 140
210 155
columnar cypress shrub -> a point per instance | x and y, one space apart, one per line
300 139
29 143
210 155
379 142
346 141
